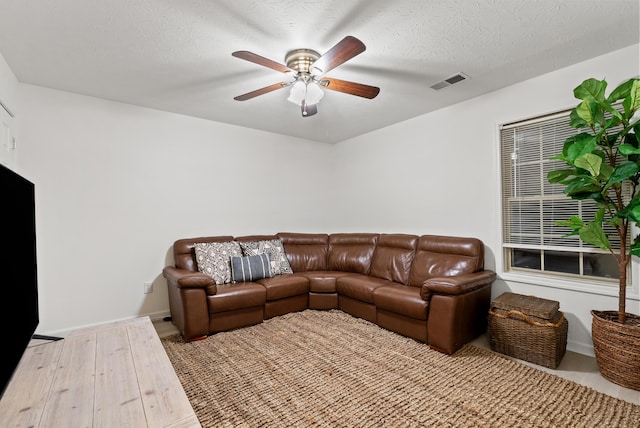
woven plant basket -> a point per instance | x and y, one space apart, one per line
617 347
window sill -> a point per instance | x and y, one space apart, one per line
569 284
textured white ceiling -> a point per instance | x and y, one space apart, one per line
175 55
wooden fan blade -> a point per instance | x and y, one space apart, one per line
265 62
260 91
343 51
308 110
352 88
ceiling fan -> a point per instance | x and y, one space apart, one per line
307 68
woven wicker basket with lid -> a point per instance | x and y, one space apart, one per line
528 327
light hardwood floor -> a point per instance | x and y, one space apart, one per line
578 368
114 375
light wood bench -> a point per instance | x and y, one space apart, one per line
116 375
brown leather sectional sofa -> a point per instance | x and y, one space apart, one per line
431 288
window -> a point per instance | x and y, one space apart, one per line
531 206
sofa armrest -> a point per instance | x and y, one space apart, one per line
458 307
188 293
183 278
456 285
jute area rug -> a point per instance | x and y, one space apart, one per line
329 369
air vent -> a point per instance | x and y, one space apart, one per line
449 81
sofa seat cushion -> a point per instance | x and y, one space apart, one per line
359 287
401 299
323 281
241 295
282 286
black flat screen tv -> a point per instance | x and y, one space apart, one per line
19 278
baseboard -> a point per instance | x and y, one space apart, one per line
154 316
158 316
581 348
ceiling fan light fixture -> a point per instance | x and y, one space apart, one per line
314 93
307 92
298 92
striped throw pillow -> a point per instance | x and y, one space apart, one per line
250 268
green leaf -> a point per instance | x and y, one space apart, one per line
576 121
578 145
635 214
605 171
559 175
631 211
575 223
593 234
591 89
628 149
560 157
634 95
615 120
581 196
590 162
635 249
615 222
581 184
586 111
635 134
622 172
621 92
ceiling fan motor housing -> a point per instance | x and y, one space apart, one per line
301 59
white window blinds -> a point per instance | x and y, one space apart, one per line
531 205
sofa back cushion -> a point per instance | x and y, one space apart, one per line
393 257
254 238
439 256
351 252
184 253
306 251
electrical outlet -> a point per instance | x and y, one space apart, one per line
148 287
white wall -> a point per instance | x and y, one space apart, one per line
8 86
439 173
8 101
117 184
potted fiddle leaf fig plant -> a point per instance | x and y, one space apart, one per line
603 165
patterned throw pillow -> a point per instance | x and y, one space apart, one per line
214 259
250 268
274 249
